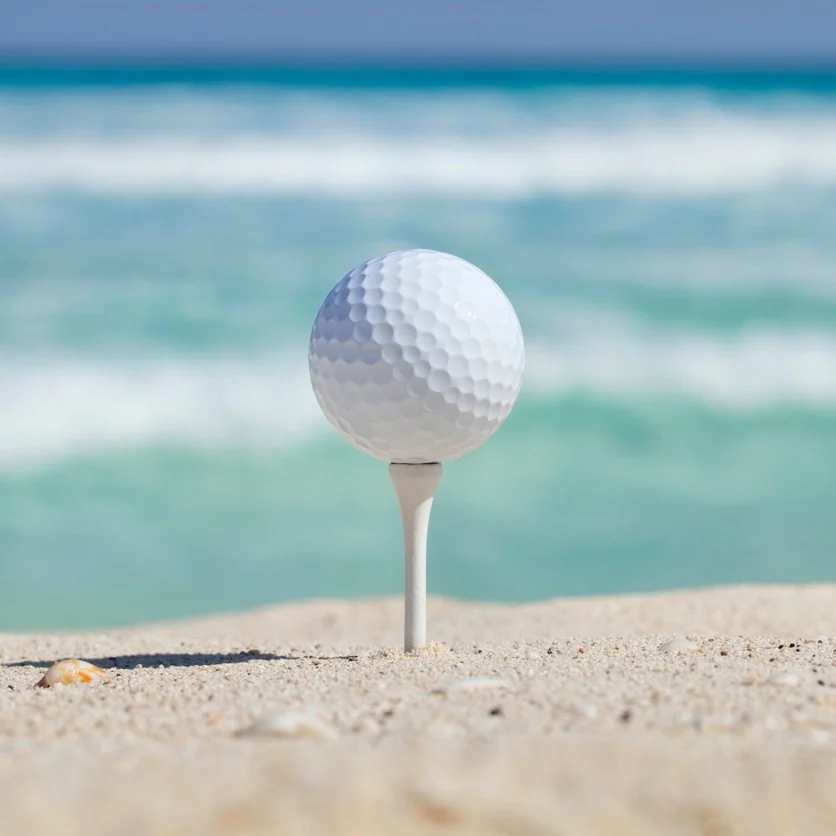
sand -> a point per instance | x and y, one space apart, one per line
710 712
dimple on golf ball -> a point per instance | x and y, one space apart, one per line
416 356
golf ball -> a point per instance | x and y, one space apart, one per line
416 357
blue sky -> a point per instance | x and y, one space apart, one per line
804 30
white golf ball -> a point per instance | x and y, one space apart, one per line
416 357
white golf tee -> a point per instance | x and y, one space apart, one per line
415 485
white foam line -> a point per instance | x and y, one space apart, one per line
54 409
62 407
752 371
722 156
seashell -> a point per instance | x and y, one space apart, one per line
584 708
787 678
290 724
70 672
677 645
442 730
476 683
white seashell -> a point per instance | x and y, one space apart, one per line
584 708
70 672
677 645
786 678
476 683
290 724
442 730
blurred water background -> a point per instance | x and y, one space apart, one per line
668 240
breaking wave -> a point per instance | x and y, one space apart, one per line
682 158
60 407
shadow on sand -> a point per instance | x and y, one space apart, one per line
181 660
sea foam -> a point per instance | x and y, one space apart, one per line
700 156
55 408
62 407
751 370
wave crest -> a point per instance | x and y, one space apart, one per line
753 370
54 409
724 155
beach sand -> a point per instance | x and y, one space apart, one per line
562 717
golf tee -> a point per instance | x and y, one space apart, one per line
415 485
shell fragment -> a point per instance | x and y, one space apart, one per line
71 672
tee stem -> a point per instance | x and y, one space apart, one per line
415 485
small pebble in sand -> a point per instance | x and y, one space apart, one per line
476 683
70 672
290 724
784 678
678 644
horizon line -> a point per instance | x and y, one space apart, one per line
426 61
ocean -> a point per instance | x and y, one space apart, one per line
166 237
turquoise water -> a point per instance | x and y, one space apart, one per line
166 238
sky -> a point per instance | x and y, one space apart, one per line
367 30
